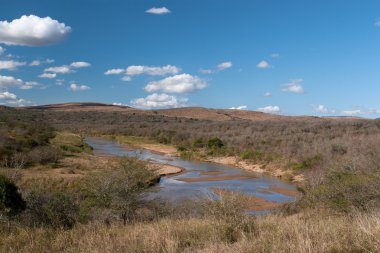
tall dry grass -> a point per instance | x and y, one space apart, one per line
305 232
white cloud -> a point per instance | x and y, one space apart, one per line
48 75
269 109
353 112
183 83
29 85
294 86
263 65
35 63
135 70
2 50
275 55
242 107
32 31
77 87
158 11
7 95
18 102
59 70
66 69
321 109
224 65
220 67
152 71
40 62
59 82
114 71
377 22
267 94
206 71
126 79
80 64
11 65
159 101
9 81
119 104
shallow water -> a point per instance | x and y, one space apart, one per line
172 189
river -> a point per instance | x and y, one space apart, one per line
200 178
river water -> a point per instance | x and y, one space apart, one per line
199 177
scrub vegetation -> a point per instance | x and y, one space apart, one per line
57 197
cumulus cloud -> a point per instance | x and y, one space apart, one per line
2 50
59 70
40 62
159 101
321 109
66 69
294 86
267 94
19 102
152 71
353 112
269 109
206 71
29 85
126 78
77 87
114 71
119 104
10 81
11 64
33 31
184 83
35 63
220 67
7 95
59 82
275 55
263 65
224 65
48 75
377 22
242 107
158 11
80 64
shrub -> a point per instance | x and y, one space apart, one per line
215 143
198 143
57 209
11 201
121 189
44 155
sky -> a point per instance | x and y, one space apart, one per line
290 57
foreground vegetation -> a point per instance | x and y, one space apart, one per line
304 232
56 197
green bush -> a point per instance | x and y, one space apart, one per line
198 143
215 143
11 201
307 163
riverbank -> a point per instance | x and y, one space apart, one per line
274 170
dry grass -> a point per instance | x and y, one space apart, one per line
307 232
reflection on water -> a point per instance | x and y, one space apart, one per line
180 186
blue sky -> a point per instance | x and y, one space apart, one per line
293 57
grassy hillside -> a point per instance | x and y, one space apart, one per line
76 202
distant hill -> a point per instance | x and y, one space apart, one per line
185 112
